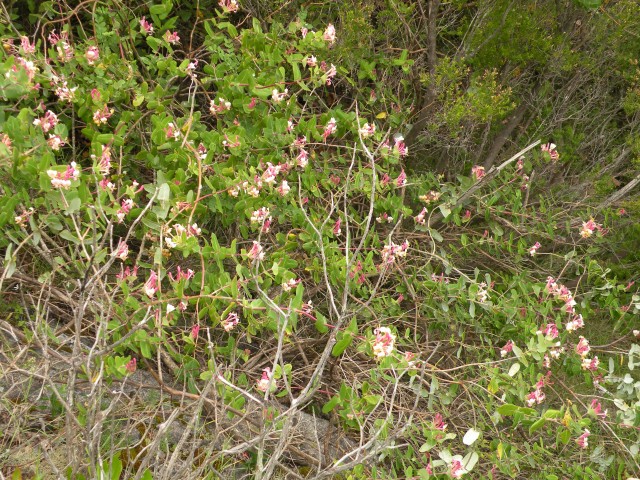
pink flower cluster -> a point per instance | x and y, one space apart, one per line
384 342
181 274
431 196
152 285
265 381
125 207
147 27
47 122
537 396
562 293
508 347
330 128
100 117
393 250
221 107
367 130
589 227
62 180
256 252
230 322
582 440
121 251
550 148
127 273
534 249
178 233
229 6
262 217
420 218
478 172
61 42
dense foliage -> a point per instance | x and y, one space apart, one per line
381 239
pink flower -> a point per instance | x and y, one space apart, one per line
229 6
550 148
27 47
330 34
277 97
401 181
508 347
331 73
591 363
122 251
100 117
400 147
171 132
535 397
95 95
55 142
478 172
131 365
336 228
172 38
127 273
284 189
230 322
220 107
260 215
104 161
125 208
534 249
181 274
191 68
575 323
596 408
302 159
147 28
151 285
431 196
47 122
582 440
264 382
438 422
195 330
583 348
588 228
367 130
420 218
92 55
330 128
256 252
291 284
393 250
311 61
270 173
550 331
384 342
63 180
304 31
456 469
384 218
6 141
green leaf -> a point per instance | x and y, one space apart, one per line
164 193
537 425
331 404
445 210
344 340
507 409
589 4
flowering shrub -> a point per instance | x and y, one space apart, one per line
206 215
